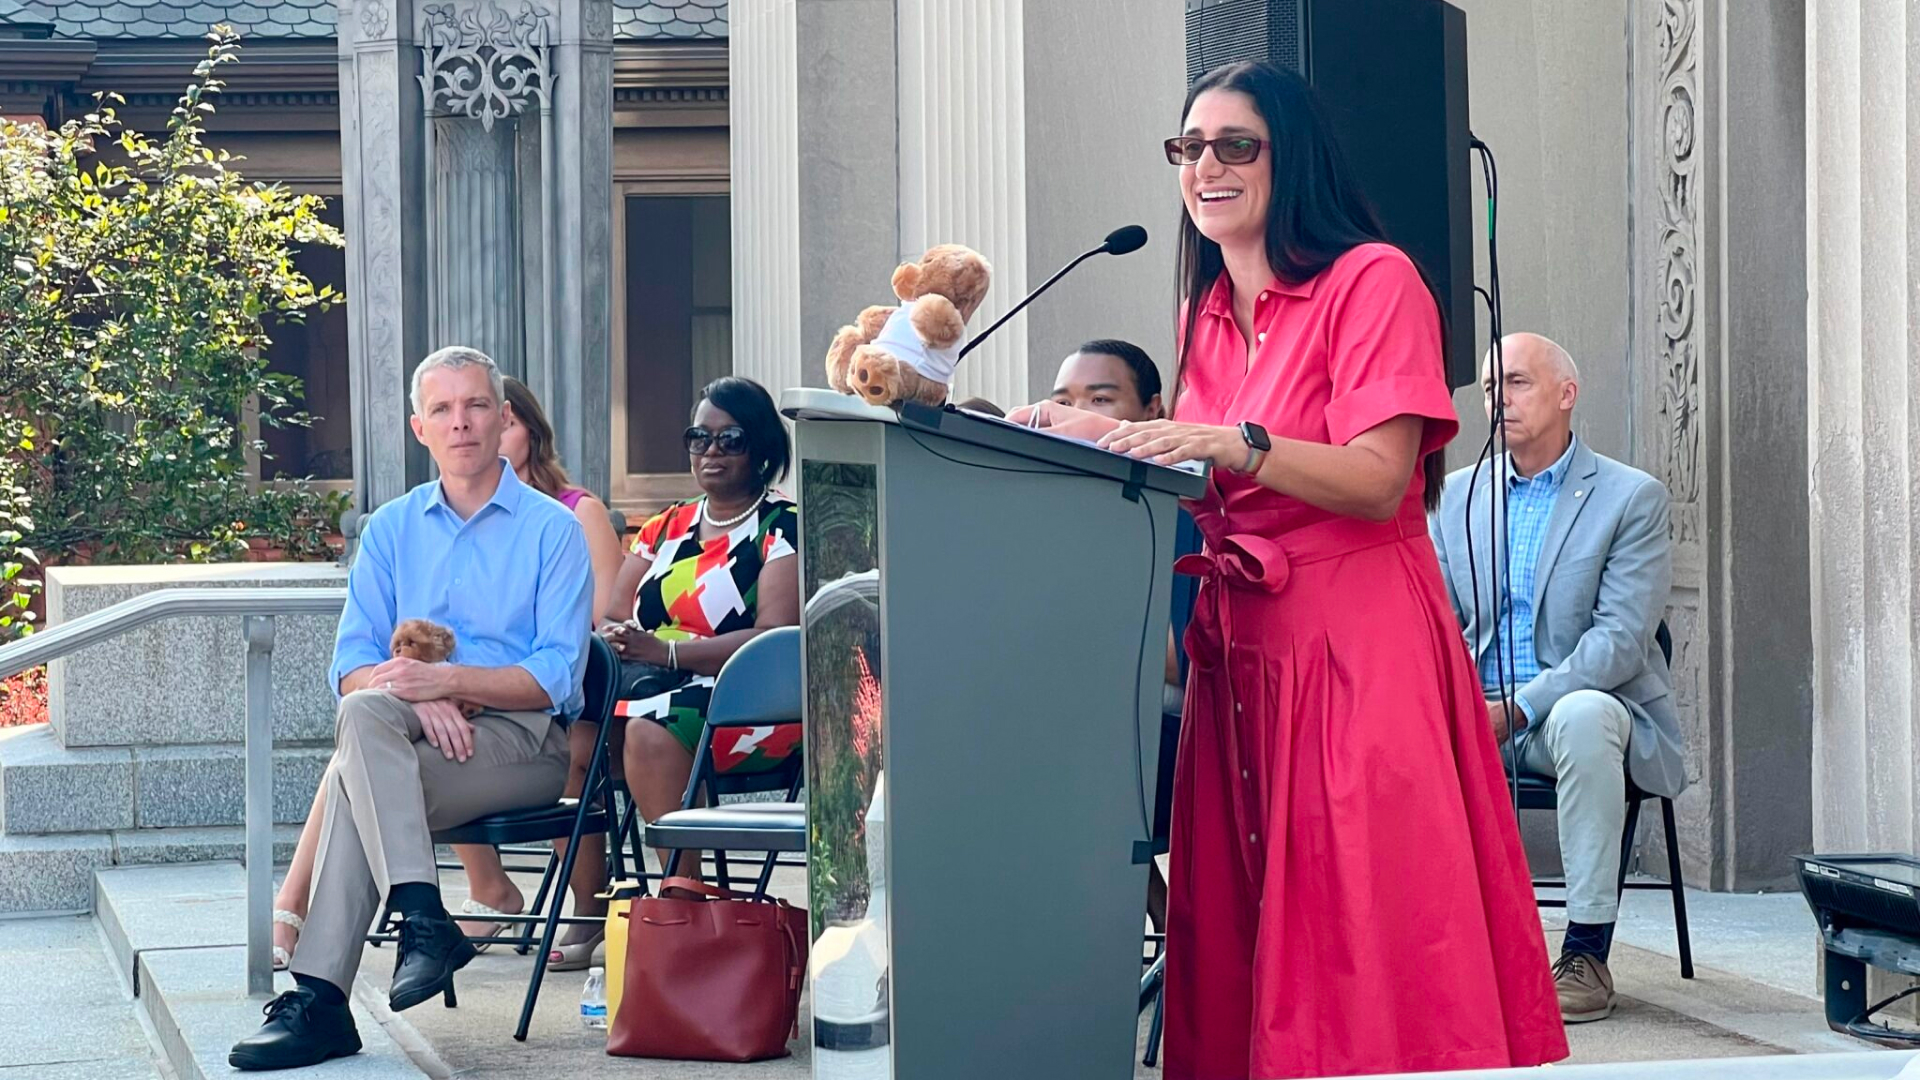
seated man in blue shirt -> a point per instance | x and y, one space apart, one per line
505 568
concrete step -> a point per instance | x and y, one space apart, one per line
179 932
195 1001
190 786
51 873
48 788
185 906
46 874
64 1014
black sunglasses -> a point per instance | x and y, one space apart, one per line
732 441
1228 149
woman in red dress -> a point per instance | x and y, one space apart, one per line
1348 890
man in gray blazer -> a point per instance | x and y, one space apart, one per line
1576 685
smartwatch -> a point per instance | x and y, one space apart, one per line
1257 445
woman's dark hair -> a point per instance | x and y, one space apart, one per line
1316 213
544 470
1146 377
752 408
982 405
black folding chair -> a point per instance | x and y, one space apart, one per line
1540 793
758 687
1186 541
567 819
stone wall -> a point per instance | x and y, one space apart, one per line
1651 220
143 759
181 681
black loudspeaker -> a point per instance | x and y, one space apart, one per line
1393 76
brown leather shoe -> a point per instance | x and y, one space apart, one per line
1585 987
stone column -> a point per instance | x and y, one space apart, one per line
1862 111
866 130
578 390
476 272
477 140
1719 326
384 203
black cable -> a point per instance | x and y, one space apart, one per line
1140 667
1496 448
915 436
1146 618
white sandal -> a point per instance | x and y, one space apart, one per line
281 958
470 906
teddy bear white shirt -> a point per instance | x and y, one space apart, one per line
899 340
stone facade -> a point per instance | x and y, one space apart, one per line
983 122
476 153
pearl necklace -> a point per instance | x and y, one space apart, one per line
707 514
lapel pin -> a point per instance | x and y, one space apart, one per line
1577 494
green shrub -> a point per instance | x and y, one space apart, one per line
139 280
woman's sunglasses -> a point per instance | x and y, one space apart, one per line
1228 149
732 441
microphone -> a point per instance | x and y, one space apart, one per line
1125 241
1121 241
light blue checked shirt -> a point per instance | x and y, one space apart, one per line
1529 506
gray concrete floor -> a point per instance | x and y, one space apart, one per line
1660 1017
64 1014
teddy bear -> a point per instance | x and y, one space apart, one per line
908 353
429 643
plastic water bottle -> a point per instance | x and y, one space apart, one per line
593 1000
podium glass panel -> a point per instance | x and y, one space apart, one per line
839 528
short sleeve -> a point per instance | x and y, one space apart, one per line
783 534
1385 351
647 544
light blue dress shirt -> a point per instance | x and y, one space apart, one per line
1530 503
513 583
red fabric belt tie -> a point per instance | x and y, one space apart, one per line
1250 562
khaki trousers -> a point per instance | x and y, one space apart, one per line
387 790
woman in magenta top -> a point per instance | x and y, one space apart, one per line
1348 892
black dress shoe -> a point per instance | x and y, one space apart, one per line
300 1030
432 948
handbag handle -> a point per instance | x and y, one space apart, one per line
701 888
711 892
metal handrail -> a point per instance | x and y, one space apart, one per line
258 608
111 622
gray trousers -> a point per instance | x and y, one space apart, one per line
1582 745
387 790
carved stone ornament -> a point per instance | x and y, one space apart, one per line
483 62
598 17
376 17
1679 218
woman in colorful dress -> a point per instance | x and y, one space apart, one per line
1348 890
705 578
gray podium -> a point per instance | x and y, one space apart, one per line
984 642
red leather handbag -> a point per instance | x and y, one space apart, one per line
711 976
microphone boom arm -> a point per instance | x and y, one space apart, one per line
1031 297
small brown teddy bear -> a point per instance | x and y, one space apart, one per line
429 643
909 353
